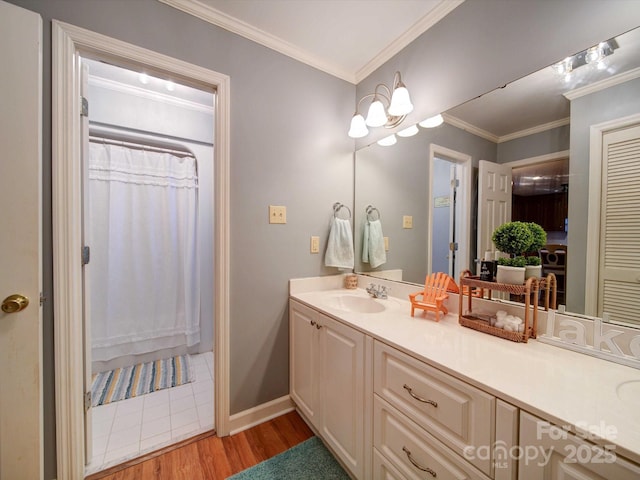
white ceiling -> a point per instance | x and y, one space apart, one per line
346 38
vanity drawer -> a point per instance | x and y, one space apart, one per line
458 414
383 469
413 452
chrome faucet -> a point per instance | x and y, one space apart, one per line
377 291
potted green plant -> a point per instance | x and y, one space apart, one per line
512 238
534 264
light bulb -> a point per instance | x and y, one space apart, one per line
376 117
387 141
408 132
400 102
432 122
358 127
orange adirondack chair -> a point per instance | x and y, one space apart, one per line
436 288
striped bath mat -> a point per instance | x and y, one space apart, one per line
129 382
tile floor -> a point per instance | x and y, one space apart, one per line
126 429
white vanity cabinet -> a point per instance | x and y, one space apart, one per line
393 402
552 453
327 375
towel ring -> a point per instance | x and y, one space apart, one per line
370 209
339 206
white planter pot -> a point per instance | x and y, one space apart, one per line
512 275
533 271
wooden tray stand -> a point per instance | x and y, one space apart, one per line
530 291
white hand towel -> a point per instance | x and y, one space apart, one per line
339 251
373 244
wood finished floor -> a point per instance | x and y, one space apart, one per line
213 458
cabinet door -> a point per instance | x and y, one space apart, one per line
342 367
551 453
303 360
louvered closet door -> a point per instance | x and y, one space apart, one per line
620 226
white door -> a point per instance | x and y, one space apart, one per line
21 449
619 282
494 202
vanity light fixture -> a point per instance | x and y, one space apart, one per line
387 141
432 122
398 105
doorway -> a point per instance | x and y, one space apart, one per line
69 43
449 211
148 225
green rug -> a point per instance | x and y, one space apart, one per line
308 460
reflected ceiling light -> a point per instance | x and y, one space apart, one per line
388 141
386 110
432 122
594 55
170 86
143 78
409 132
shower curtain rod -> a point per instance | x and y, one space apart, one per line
139 146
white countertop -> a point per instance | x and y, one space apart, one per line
561 386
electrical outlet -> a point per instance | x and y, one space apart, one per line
315 244
407 221
277 214
386 244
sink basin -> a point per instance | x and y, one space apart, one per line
629 391
355 303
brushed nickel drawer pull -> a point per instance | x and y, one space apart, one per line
417 465
417 397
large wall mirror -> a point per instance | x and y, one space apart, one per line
541 128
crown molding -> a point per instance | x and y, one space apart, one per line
533 130
462 125
418 28
603 84
216 17
115 86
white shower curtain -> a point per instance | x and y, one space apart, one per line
145 288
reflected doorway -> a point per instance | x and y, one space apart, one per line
449 211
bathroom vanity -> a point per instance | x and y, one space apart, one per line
397 397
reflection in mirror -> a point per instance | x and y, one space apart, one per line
533 125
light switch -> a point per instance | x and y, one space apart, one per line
407 221
386 244
315 244
277 214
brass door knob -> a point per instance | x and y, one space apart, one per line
14 303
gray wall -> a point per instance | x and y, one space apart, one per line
609 104
288 147
395 180
549 141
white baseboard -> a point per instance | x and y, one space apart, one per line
260 414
